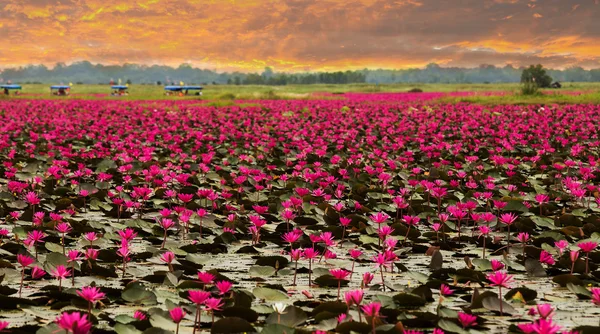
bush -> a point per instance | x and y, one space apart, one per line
227 96
416 90
530 88
269 95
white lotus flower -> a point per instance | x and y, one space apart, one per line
279 308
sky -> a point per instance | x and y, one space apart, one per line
301 35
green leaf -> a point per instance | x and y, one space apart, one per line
50 329
55 259
445 312
492 303
579 290
136 293
421 278
543 222
277 329
105 165
269 294
515 206
292 317
260 271
172 278
124 319
126 329
482 264
450 326
257 197
157 320
53 247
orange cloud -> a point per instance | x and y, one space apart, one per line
299 35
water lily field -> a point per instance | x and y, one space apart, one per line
362 213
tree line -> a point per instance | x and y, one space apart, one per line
88 73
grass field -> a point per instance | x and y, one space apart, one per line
570 93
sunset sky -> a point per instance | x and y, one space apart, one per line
300 35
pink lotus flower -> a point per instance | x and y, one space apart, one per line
75 323
484 230
561 245
523 237
140 315
60 272
91 254
185 198
177 314
546 258
24 260
379 218
353 297
223 287
63 228
445 290
213 304
344 221
372 310
37 272
367 278
128 234
543 310
502 280
3 325
198 296
573 255
339 275
596 296
310 254
206 278
92 295
384 232
587 247
31 198
291 237
34 237
91 237
497 265
467 320
167 257
545 326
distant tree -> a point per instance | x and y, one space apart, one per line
536 74
158 83
268 73
128 81
595 75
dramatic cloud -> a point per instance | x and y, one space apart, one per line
301 35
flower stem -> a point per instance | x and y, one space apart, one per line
22 278
500 296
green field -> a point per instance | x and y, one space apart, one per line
570 93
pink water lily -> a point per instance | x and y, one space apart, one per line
501 279
91 295
75 323
117 183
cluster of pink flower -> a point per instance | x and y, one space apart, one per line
381 171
